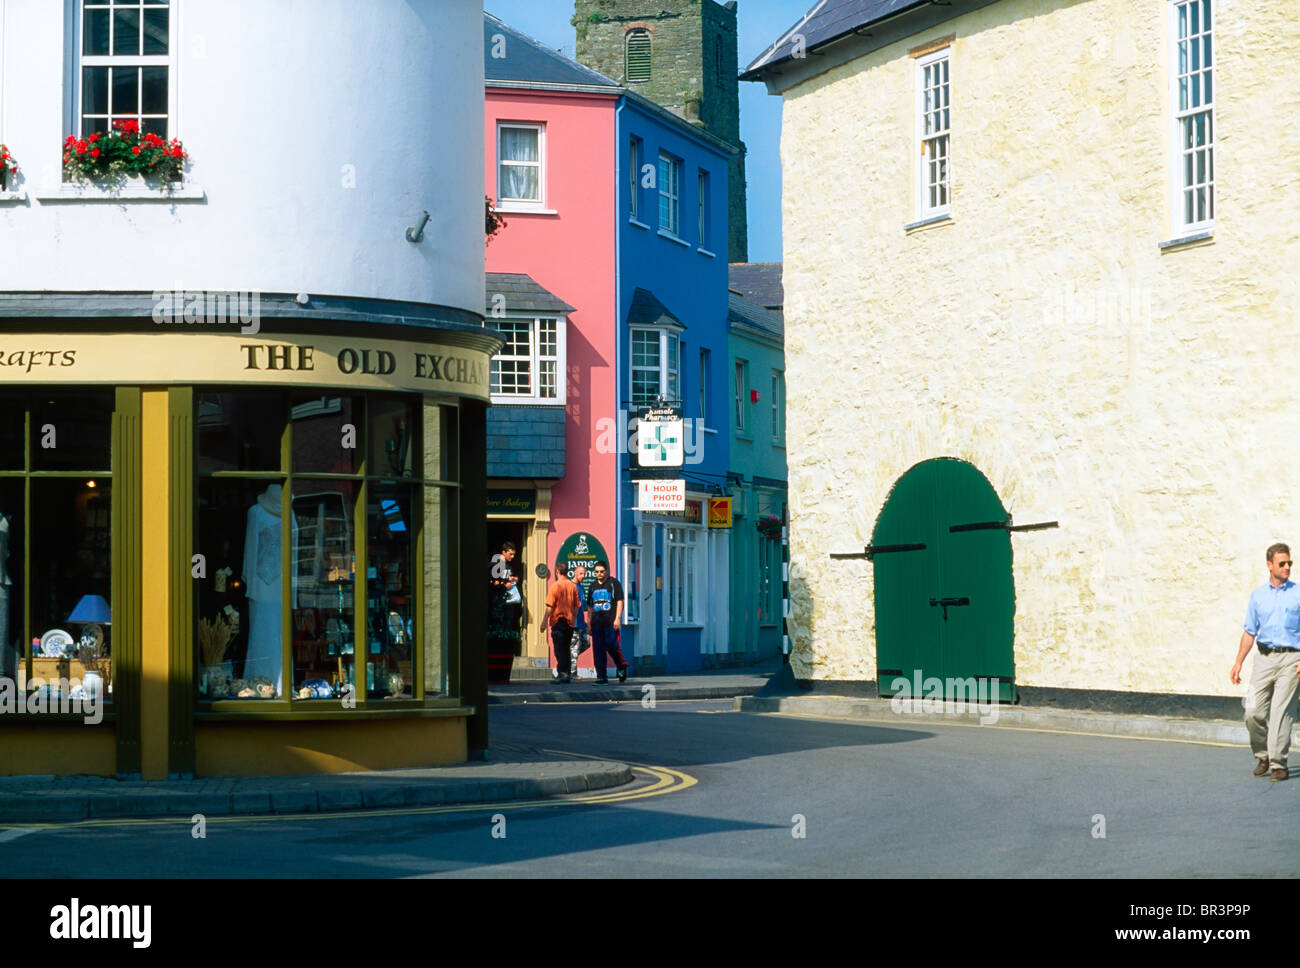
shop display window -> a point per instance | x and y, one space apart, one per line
56 542
345 599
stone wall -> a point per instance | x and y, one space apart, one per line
1141 397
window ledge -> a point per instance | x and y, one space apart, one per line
509 209
665 234
740 435
640 225
303 712
932 222
702 251
498 399
1186 241
6 196
75 192
684 625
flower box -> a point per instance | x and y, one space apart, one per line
123 155
8 169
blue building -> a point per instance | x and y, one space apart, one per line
673 339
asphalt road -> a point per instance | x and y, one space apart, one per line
775 796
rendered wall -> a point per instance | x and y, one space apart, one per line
1139 397
318 133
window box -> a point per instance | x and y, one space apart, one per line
123 154
8 169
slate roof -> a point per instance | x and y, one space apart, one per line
759 282
741 310
521 293
528 60
648 310
825 22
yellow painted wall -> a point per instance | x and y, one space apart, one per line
276 749
1144 399
59 750
155 597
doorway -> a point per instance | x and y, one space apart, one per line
945 598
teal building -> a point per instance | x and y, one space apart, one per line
756 477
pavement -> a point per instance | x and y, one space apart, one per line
511 773
709 684
1226 732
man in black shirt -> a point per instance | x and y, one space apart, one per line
604 616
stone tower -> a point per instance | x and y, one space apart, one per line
681 54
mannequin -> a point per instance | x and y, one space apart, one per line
262 581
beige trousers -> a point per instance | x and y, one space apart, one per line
1270 705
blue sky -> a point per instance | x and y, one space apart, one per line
760 22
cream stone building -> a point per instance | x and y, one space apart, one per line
1040 266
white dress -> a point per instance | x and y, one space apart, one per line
262 584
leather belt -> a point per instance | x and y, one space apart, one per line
1269 649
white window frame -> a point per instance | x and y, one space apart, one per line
943 207
1179 156
535 358
668 366
702 191
670 188
508 204
705 358
683 547
635 147
78 60
778 396
742 391
632 562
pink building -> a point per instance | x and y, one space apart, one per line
550 169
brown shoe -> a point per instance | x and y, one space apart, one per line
1261 766
1278 774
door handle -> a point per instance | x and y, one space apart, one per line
946 602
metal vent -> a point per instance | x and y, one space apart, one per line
638 55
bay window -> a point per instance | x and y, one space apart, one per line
655 366
530 366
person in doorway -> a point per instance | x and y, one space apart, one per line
504 608
605 616
560 614
1273 627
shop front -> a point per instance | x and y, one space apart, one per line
225 553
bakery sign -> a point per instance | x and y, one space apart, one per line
289 360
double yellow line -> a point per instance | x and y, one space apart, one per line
662 780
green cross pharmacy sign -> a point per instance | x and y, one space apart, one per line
659 433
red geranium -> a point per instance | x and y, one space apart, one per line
122 152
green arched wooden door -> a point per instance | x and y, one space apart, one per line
945 611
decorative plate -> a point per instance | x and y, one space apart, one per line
56 642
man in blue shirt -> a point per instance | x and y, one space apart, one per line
1273 627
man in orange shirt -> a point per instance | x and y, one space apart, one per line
562 603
